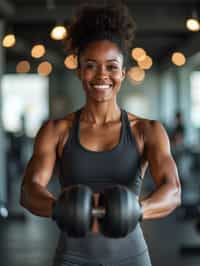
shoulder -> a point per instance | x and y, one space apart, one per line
53 129
145 126
155 133
148 131
64 123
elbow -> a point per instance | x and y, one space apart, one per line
177 197
22 200
24 203
174 201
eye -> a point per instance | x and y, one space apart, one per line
90 66
112 67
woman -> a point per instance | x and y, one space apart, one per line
101 144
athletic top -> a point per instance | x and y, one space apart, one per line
98 170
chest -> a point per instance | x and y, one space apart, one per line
100 138
100 169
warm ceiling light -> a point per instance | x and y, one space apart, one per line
58 33
44 68
71 61
136 74
178 59
192 24
146 63
23 67
9 40
138 54
38 51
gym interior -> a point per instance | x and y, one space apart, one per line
38 81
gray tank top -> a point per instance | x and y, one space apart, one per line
120 165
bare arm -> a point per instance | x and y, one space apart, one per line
167 195
34 195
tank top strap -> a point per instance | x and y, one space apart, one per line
123 129
129 138
77 124
73 131
77 117
128 135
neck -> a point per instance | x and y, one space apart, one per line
100 114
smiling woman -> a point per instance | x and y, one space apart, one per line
102 42
101 71
101 148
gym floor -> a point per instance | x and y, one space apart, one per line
33 242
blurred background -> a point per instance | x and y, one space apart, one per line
38 82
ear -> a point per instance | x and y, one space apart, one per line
123 73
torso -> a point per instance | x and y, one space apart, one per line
99 139
102 137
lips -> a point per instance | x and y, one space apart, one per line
102 86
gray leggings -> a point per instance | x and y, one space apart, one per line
141 259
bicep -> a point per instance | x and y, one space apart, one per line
40 167
161 163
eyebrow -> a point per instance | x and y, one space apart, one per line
110 60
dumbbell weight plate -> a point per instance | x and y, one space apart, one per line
121 208
78 210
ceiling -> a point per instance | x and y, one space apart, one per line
160 26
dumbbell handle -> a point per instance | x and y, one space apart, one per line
98 212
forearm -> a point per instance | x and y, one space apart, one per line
161 202
37 199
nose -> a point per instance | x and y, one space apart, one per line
101 72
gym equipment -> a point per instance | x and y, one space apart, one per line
119 211
123 211
73 210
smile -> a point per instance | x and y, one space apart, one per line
101 87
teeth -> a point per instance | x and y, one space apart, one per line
101 86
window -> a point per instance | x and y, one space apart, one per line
195 98
137 104
25 102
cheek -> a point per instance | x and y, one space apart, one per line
117 77
87 75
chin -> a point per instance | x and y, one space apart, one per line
102 99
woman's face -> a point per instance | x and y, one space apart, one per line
101 70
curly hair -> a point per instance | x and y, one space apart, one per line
101 22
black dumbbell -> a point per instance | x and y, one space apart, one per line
118 213
73 210
122 211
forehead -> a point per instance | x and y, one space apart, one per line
101 51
